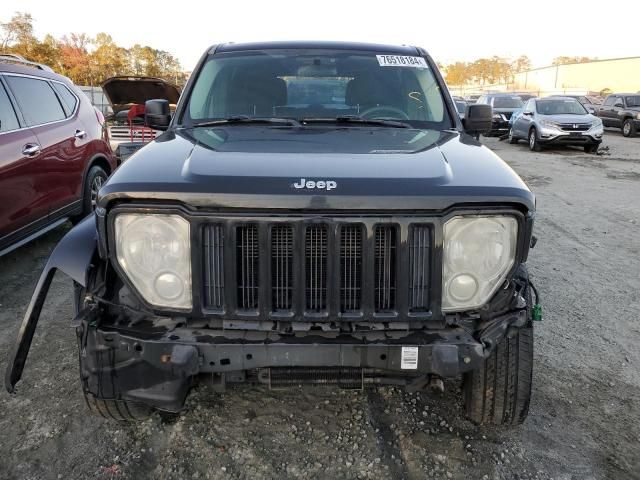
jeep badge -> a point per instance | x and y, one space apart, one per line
319 184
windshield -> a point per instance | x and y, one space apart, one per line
317 84
507 102
633 101
568 106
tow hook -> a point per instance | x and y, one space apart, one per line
435 385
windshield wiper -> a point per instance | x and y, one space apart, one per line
358 120
244 119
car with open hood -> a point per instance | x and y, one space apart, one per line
127 96
315 213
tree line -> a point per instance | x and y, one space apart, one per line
86 60
496 69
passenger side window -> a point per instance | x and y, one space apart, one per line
530 107
38 102
8 119
609 100
67 98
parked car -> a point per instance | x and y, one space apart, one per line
554 121
591 103
503 104
363 238
54 155
621 110
526 96
127 96
472 98
461 107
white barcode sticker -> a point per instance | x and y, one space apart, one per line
409 359
401 61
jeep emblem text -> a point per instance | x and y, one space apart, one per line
321 184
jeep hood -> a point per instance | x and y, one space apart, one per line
374 169
123 92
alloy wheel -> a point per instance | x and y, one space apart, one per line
95 188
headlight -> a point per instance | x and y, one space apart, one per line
549 124
497 116
155 253
478 253
597 123
638 115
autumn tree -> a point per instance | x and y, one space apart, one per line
86 60
521 64
457 73
567 60
17 33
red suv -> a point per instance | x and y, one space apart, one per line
54 151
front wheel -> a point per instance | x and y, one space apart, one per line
534 144
499 392
512 140
96 176
119 410
628 128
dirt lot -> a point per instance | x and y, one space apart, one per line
585 416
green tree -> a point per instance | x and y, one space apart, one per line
17 31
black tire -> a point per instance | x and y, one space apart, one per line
118 410
112 409
499 392
534 144
512 140
92 183
629 128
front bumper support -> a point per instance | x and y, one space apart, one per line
160 370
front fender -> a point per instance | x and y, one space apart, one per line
73 255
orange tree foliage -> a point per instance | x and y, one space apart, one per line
86 60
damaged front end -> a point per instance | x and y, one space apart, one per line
130 352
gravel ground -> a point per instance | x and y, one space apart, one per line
585 415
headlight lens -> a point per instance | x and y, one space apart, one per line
549 124
478 253
597 123
155 252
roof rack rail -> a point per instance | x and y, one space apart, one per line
18 59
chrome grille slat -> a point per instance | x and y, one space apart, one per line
419 268
385 268
247 253
316 243
350 268
281 267
214 266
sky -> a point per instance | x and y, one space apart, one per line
458 30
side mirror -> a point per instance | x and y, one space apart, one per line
592 111
619 105
477 118
157 114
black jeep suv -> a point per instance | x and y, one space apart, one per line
314 213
